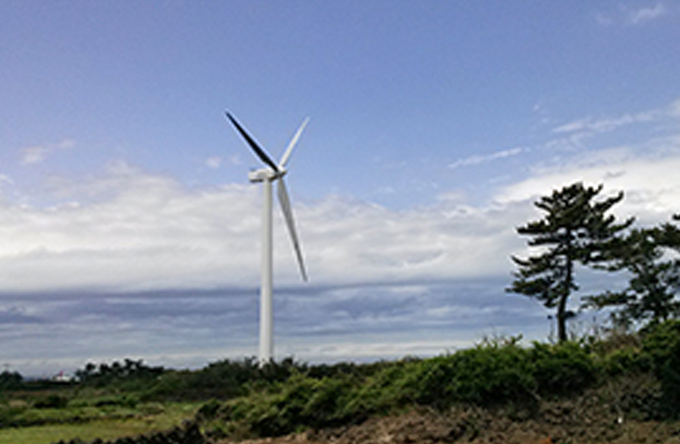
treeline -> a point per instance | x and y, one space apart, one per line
229 379
128 374
117 372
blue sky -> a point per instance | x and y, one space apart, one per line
129 229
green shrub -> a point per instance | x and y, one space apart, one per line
209 410
492 374
489 374
376 394
130 401
661 343
222 380
51 402
10 380
299 403
485 375
173 386
562 368
626 361
324 406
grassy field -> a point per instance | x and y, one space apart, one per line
45 426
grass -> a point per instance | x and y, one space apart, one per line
146 418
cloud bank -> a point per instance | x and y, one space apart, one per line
171 273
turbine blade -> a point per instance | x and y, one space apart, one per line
293 142
259 151
287 210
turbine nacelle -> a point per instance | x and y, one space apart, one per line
263 174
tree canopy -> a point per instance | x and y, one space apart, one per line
576 229
650 255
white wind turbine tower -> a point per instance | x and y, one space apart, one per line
271 173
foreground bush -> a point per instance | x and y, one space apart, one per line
487 375
661 344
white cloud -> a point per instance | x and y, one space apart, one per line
646 14
590 134
6 179
144 232
213 162
147 232
603 125
131 230
216 162
235 160
485 158
649 180
674 109
632 16
34 154
38 153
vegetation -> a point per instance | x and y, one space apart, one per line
10 380
129 372
576 229
491 375
237 399
648 255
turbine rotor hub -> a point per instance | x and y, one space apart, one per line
266 174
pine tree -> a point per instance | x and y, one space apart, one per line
650 297
576 229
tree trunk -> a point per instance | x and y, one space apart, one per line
568 280
562 319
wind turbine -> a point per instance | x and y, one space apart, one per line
271 173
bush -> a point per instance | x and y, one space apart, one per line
128 373
489 374
209 410
492 374
379 393
222 380
298 403
661 344
130 401
485 375
562 368
51 402
626 361
11 380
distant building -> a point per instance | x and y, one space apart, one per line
63 377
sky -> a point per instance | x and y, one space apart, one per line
128 227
